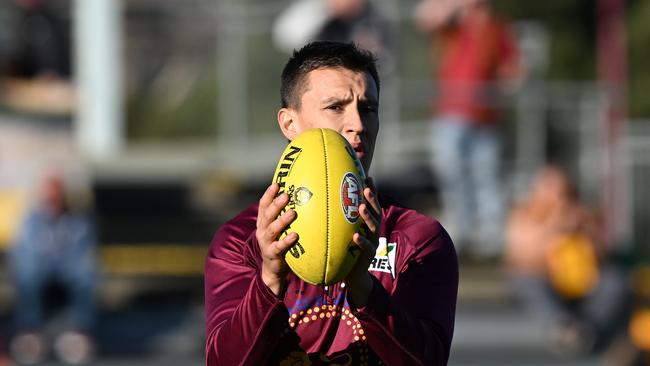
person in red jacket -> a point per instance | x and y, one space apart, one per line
478 63
397 305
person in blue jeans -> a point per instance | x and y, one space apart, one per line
55 246
478 61
467 159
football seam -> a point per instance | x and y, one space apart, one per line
327 208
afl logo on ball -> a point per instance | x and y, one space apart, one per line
350 197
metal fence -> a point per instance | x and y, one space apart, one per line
212 66
637 168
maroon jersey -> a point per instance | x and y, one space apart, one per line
408 320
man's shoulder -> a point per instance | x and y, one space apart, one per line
244 219
235 231
397 216
415 228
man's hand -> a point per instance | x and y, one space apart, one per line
269 228
433 15
358 280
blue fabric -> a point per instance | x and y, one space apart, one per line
467 161
57 250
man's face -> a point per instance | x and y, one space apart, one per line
342 100
53 195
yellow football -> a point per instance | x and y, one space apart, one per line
324 179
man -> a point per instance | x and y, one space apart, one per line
477 58
358 21
259 312
56 245
549 231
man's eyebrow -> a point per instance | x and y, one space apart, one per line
338 99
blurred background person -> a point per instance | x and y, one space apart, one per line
35 64
559 268
476 56
357 21
56 246
40 45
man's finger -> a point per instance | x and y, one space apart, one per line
367 247
371 199
266 200
371 211
369 218
281 246
273 209
277 226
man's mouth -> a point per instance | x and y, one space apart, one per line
360 149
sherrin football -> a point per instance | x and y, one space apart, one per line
324 179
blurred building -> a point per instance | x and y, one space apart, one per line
189 134
192 128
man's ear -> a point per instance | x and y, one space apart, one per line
287 122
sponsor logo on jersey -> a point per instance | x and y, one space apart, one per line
384 260
350 197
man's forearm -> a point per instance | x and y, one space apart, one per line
243 337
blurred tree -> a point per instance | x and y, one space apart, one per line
639 54
168 113
571 25
572 28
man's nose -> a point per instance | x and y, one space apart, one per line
354 122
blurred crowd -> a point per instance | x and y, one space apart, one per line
559 262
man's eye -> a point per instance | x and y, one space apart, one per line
335 107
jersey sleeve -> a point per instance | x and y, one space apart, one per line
242 313
413 324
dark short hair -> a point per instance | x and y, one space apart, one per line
318 55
